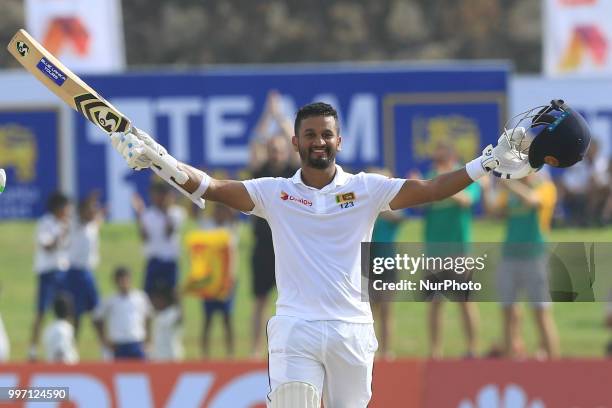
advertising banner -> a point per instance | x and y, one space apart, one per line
396 384
188 385
29 152
86 35
390 115
482 383
577 37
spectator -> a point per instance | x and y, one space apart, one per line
609 323
448 231
167 333
50 259
223 220
529 205
5 346
84 255
123 320
277 162
159 227
583 188
385 232
606 216
58 337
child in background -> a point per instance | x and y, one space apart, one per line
223 218
123 320
58 337
609 323
5 346
84 256
167 333
159 226
50 259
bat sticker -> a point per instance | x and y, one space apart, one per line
98 112
22 48
50 70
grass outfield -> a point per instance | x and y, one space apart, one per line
580 324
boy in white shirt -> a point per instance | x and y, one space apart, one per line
159 226
123 320
58 337
167 333
5 346
84 256
50 260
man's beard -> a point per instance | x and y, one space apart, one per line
320 163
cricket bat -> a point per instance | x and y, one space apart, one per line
82 98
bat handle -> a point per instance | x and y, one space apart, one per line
165 166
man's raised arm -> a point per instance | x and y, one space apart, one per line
416 192
229 192
140 151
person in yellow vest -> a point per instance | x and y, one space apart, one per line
528 205
213 253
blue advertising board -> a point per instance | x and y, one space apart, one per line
29 141
391 115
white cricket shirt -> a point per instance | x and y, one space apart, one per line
84 250
159 244
167 335
317 237
58 341
125 316
48 229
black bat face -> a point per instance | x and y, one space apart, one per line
107 120
98 112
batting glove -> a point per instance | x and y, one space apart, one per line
512 163
133 145
483 164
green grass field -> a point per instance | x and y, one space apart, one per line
580 324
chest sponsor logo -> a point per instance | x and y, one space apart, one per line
346 200
288 197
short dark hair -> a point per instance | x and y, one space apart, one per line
315 109
163 291
56 201
62 306
120 272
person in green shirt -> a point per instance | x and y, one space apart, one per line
385 231
528 205
448 232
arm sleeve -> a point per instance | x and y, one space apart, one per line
178 216
44 233
260 190
99 312
147 306
382 190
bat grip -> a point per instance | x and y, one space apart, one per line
165 166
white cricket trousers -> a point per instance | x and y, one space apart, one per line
334 356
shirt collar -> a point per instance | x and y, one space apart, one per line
340 179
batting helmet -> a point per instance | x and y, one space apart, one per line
561 136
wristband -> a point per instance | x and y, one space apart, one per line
474 169
196 195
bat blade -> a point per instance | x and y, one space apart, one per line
66 84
